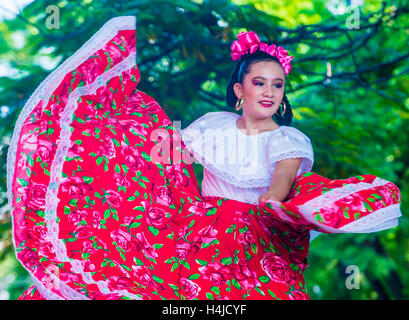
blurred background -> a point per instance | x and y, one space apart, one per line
349 89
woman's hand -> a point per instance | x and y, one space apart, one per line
267 196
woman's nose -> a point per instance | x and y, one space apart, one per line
268 91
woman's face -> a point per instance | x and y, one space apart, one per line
262 89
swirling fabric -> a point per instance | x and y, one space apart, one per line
101 210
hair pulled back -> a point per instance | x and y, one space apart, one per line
242 68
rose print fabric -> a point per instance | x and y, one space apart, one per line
105 205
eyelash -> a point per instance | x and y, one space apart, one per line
257 83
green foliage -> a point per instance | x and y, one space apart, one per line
348 87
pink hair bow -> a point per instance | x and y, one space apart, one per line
249 42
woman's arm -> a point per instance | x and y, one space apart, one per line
283 178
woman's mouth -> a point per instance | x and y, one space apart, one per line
267 104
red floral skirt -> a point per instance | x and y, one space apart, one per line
96 215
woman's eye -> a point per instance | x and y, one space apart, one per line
278 85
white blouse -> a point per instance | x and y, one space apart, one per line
239 166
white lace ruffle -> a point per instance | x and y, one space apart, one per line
243 160
378 220
53 80
292 143
306 162
51 198
336 194
43 92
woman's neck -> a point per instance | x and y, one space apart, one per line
247 125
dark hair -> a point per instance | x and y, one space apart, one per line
242 67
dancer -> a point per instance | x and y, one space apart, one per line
104 207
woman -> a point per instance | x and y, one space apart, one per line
97 216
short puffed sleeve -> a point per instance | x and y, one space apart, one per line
292 143
202 135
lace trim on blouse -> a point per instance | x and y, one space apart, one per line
284 143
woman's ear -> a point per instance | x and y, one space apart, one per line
238 90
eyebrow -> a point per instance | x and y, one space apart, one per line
265 78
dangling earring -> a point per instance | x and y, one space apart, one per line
239 104
285 108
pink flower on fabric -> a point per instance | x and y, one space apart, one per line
298 295
190 289
354 202
105 97
63 95
297 243
120 180
246 277
200 208
129 43
153 107
76 216
156 217
96 219
76 187
217 278
243 217
276 268
123 239
120 283
332 215
144 276
28 257
113 198
386 194
45 149
132 158
70 277
246 239
88 266
182 231
176 176
166 122
216 272
57 110
140 243
36 196
135 243
114 52
88 247
75 150
127 75
135 103
127 124
161 195
37 233
107 149
206 235
83 232
30 140
182 250
22 164
46 249
89 70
